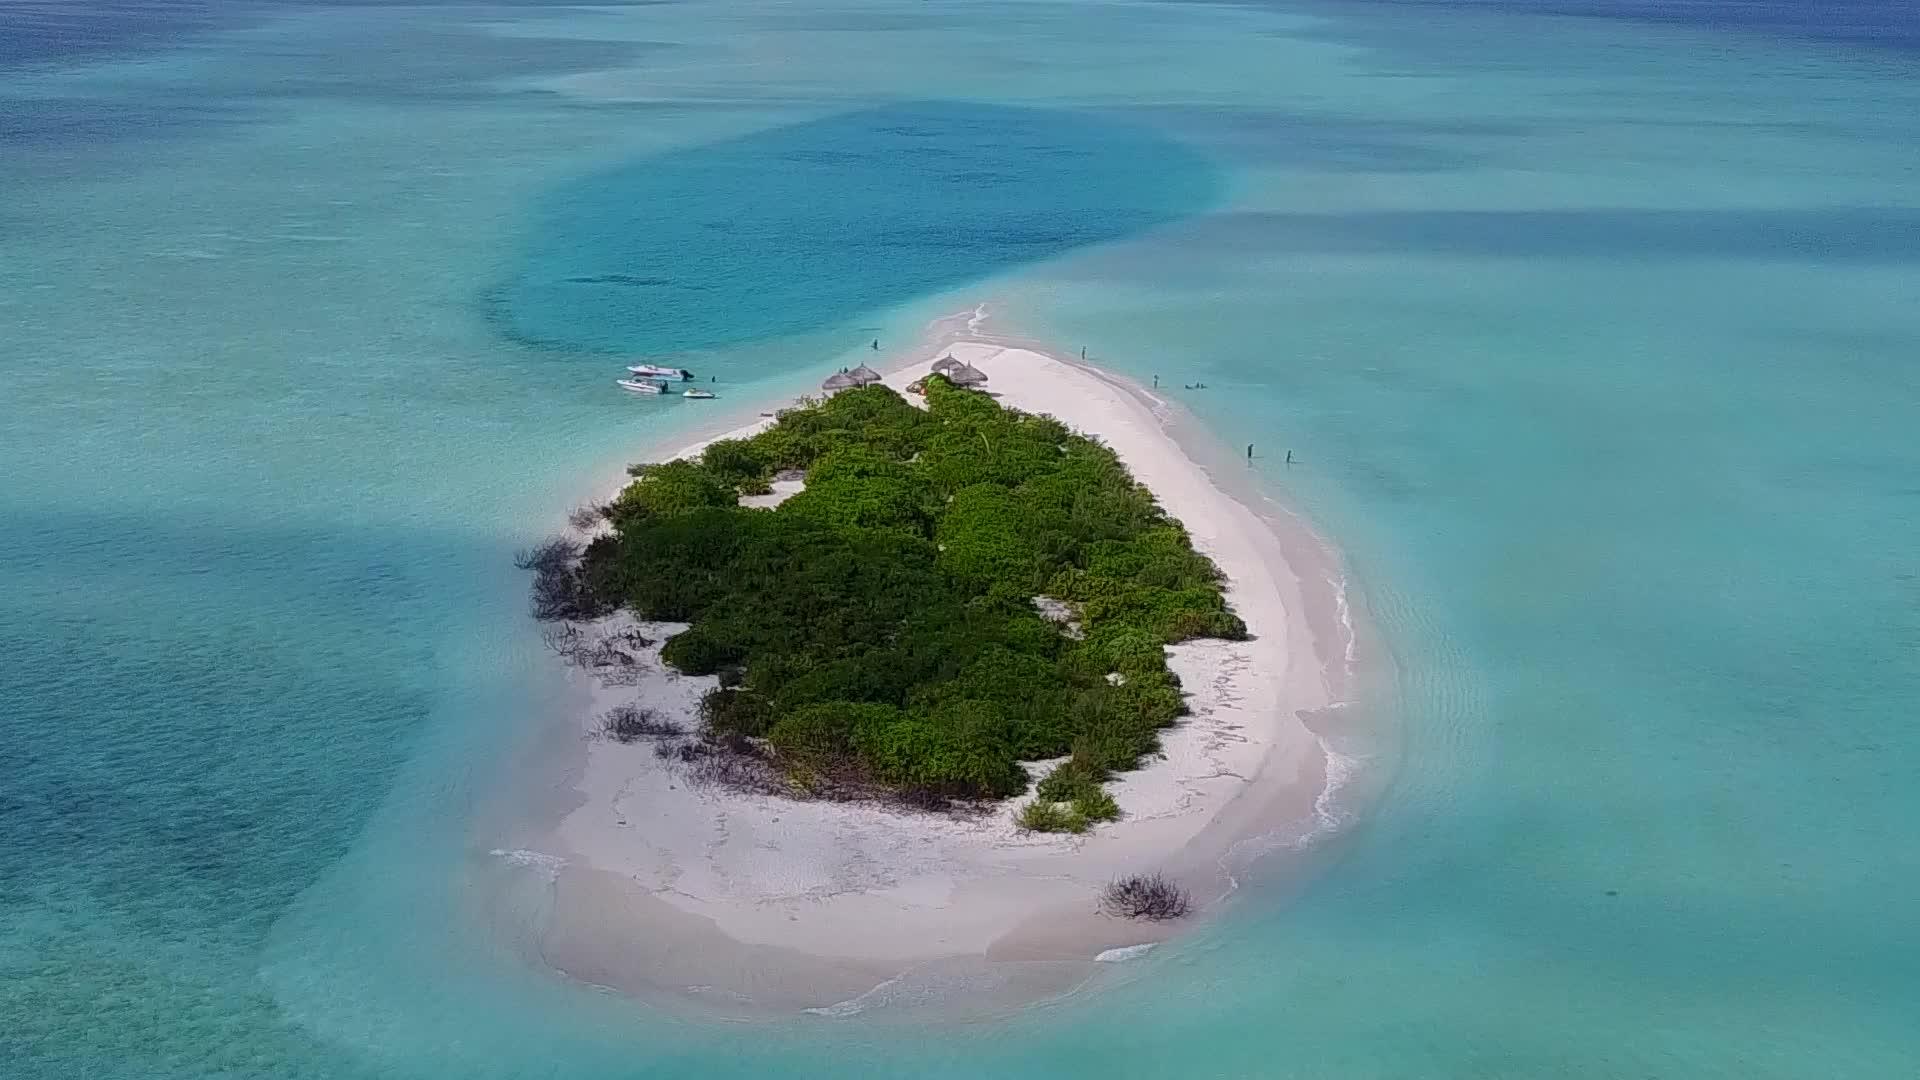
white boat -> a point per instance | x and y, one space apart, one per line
655 371
640 386
697 394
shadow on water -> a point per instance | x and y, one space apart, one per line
57 32
48 31
1845 234
1888 27
788 230
269 57
1885 24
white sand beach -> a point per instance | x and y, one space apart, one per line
758 905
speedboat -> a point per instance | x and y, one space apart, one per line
655 371
640 386
697 394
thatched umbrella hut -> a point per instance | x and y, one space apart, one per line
966 375
864 375
837 382
946 364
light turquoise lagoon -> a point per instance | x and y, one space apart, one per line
1595 338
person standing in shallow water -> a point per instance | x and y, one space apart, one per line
1249 453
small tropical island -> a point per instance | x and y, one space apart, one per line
947 689
958 589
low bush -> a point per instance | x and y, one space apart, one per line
1096 804
733 713
1145 896
1045 815
628 723
1071 780
733 772
555 551
560 589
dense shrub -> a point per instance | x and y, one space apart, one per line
987 536
960 747
878 628
672 488
862 502
738 463
728 712
820 733
697 651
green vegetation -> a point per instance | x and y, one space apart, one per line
1089 803
1074 783
1097 805
876 633
1042 815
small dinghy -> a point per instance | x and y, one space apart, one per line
640 386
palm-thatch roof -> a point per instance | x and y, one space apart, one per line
946 363
839 380
966 375
864 375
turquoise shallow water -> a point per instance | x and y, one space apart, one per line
1595 339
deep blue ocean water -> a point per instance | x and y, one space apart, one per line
1596 338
